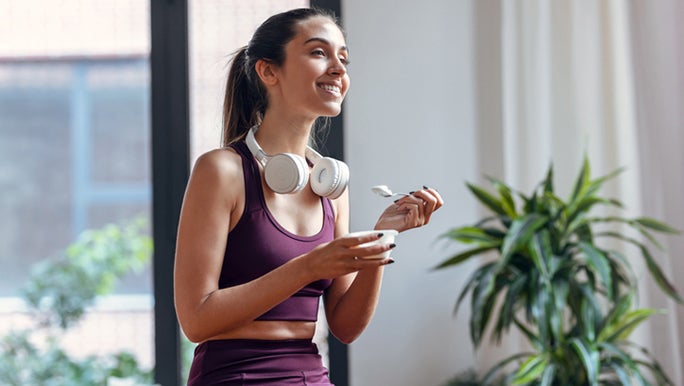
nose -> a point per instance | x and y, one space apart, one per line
337 68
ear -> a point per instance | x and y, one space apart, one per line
267 72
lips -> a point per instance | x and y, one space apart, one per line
331 88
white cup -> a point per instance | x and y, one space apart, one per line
388 236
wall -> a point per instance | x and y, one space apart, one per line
425 97
409 121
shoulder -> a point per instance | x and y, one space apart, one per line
219 163
218 170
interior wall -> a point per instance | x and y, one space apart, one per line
424 98
409 122
659 83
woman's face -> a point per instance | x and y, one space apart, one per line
314 79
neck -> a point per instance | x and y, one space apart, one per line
278 135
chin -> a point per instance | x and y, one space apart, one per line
332 111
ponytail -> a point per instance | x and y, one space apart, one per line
245 101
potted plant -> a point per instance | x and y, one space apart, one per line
551 276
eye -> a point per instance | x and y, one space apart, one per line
318 52
344 60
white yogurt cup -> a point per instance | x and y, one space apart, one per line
388 237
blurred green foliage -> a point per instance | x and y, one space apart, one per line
58 294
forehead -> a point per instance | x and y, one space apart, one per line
319 27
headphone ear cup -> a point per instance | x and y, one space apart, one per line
329 177
286 173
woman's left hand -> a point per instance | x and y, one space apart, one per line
411 211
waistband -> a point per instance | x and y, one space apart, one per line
229 359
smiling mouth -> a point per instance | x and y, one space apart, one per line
335 90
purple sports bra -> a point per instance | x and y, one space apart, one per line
258 244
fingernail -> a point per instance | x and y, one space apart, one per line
425 187
412 192
391 261
380 235
397 200
393 245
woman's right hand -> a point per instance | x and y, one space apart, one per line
345 255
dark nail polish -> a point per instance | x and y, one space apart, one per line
391 261
425 187
380 235
412 192
392 245
395 201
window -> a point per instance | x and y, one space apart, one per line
74 156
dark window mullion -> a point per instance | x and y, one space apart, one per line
170 170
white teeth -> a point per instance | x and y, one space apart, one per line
331 88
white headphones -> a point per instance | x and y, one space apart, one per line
288 173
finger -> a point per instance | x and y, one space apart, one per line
433 201
358 238
429 203
436 194
369 252
373 263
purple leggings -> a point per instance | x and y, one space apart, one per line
258 362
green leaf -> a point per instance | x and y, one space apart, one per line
656 225
549 375
659 276
541 253
508 308
480 306
632 223
487 199
654 367
588 320
463 256
548 181
539 308
473 281
472 235
653 267
489 377
507 202
531 369
590 359
581 182
534 339
598 261
521 231
594 185
623 327
617 312
561 289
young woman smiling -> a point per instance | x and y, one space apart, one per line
263 231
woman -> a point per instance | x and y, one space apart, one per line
253 257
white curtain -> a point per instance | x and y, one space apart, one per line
560 79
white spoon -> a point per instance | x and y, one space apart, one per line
385 191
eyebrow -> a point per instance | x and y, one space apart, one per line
324 41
